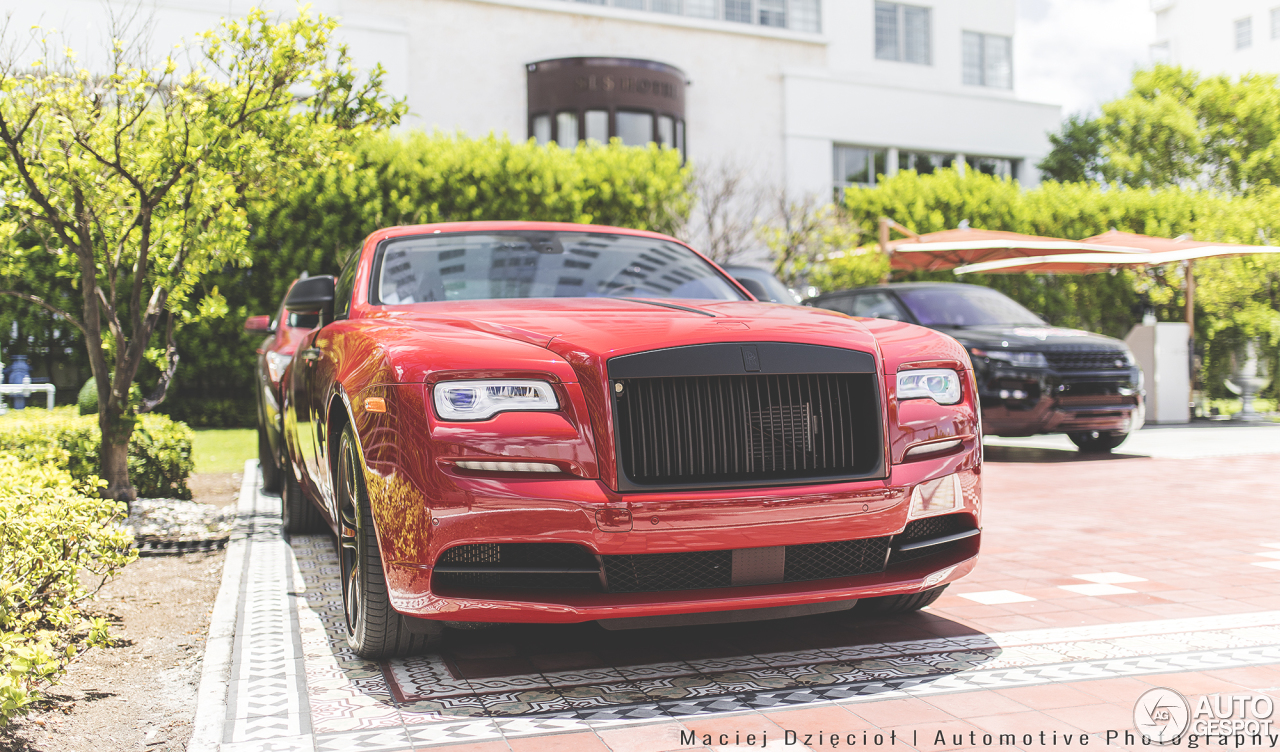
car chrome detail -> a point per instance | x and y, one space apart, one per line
508 467
932 448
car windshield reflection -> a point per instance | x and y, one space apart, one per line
963 306
505 265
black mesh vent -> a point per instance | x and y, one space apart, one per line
702 430
931 527
637 573
510 555
1087 360
817 561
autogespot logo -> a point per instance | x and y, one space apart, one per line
1161 715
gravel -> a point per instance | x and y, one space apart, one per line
177 526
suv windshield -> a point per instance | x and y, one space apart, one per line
481 266
963 305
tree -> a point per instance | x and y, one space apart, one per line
727 202
135 181
802 234
1175 127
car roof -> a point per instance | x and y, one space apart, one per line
508 225
895 286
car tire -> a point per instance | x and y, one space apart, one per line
1097 442
272 478
298 515
374 629
900 604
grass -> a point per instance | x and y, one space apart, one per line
224 450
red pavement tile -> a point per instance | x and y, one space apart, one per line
893 713
829 717
1121 690
1252 677
733 727
970 704
1176 611
1096 718
955 734
1193 682
1048 696
477 747
576 742
658 737
1027 728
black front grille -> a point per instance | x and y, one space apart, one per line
638 573
708 430
927 529
818 561
1087 360
476 558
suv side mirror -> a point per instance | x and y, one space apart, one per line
311 295
259 324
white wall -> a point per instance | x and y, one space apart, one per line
772 100
1201 34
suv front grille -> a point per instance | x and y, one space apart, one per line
1087 360
706 430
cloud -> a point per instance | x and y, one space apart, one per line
1080 53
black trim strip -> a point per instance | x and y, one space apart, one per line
937 541
670 305
451 569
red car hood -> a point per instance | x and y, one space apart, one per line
600 328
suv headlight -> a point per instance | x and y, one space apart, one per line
477 400
940 384
1013 357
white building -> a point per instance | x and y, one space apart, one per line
810 94
1230 37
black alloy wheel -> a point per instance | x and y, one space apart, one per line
374 629
272 478
298 515
1097 442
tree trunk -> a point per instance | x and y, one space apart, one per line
116 429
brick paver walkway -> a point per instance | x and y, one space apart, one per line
1099 580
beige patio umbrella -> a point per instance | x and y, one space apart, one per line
948 249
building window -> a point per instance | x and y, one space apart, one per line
797 15
1160 53
542 128
635 128
858 165
700 8
632 4
597 125
923 162
805 15
1003 168
666 6
988 60
773 13
902 33
1244 33
567 129
1275 23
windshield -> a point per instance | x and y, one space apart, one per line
483 266
957 305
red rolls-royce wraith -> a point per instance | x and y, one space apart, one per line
543 422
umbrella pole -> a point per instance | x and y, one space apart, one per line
1191 324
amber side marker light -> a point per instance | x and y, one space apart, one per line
375 404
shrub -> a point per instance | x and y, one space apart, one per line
87 400
55 536
160 459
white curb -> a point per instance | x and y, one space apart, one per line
215 676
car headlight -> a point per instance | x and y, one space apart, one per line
477 400
1012 357
276 363
942 385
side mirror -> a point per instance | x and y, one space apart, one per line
311 295
260 324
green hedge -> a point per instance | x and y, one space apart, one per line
406 178
56 537
160 459
1235 297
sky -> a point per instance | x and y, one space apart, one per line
1080 53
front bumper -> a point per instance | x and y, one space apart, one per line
1027 401
564 511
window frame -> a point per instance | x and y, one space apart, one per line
1245 24
900 32
982 67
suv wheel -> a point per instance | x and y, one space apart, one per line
1097 441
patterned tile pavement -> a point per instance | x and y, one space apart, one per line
1179 536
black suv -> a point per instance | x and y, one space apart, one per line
1032 378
